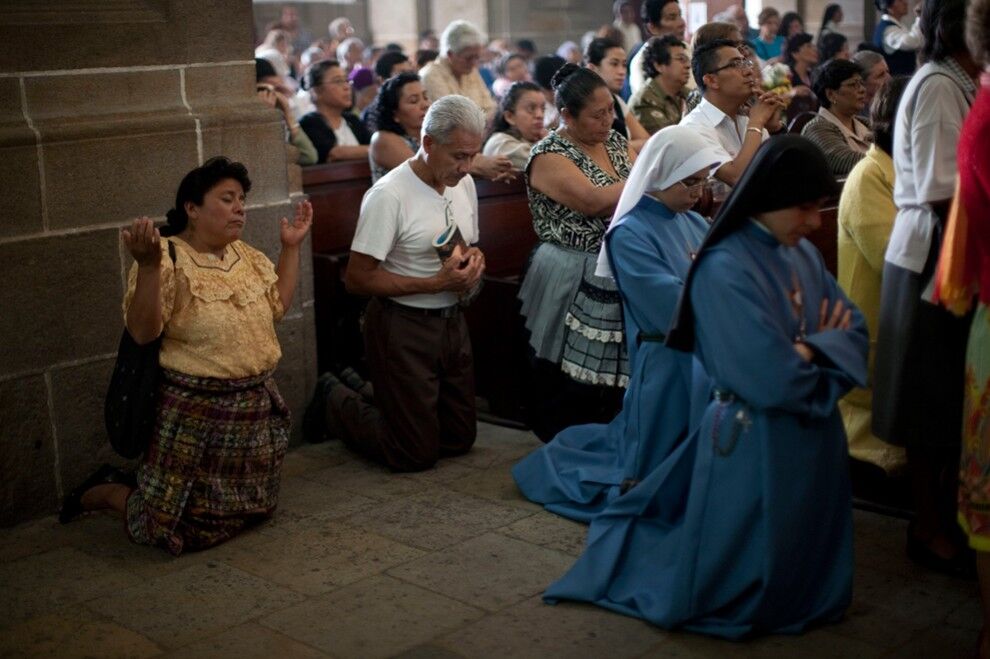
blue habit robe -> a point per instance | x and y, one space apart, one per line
747 526
582 469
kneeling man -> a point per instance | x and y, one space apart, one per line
415 334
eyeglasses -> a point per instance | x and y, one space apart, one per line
735 63
692 185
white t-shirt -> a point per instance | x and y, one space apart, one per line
400 217
345 136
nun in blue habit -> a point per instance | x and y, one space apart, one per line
647 249
746 527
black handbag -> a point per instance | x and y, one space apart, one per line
129 410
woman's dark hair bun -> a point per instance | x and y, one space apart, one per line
562 74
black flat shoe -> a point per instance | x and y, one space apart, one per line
961 566
72 503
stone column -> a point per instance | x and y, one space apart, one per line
103 108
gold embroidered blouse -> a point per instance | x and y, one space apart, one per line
218 314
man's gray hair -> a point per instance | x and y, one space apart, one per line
450 112
460 35
867 59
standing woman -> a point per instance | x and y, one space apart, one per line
212 467
397 114
574 179
649 246
921 347
964 273
608 59
746 527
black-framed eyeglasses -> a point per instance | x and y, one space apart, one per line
736 63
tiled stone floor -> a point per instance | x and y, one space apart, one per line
448 563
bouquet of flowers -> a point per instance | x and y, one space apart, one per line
777 79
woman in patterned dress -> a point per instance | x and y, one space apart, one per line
963 277
212 466
574 179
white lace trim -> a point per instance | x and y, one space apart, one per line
593 333
582 374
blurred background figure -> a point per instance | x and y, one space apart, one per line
627 23
272 92
277 49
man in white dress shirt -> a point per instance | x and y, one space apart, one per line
727 82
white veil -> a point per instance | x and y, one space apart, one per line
671 155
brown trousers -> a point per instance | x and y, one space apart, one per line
422 371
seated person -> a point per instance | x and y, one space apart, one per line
455 71
833 46
365 88
543 69
726 81
397 116
801 56
875 75
518 124
608 59
274 95
509 69
661 101
336 133
837 131
705 34
769 45
415 334
392 63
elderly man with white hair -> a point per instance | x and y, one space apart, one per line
456 70
416 337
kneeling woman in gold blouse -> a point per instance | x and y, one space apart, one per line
212 466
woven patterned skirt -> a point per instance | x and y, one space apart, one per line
974 463
575 317
212 468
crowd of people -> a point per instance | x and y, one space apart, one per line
700 383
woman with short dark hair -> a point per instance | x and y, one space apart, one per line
213 464
336 133
833 46
837 131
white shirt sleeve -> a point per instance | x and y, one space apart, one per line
938 117
378 224
897 38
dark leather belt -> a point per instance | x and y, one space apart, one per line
442 312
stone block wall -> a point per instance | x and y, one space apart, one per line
102 111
